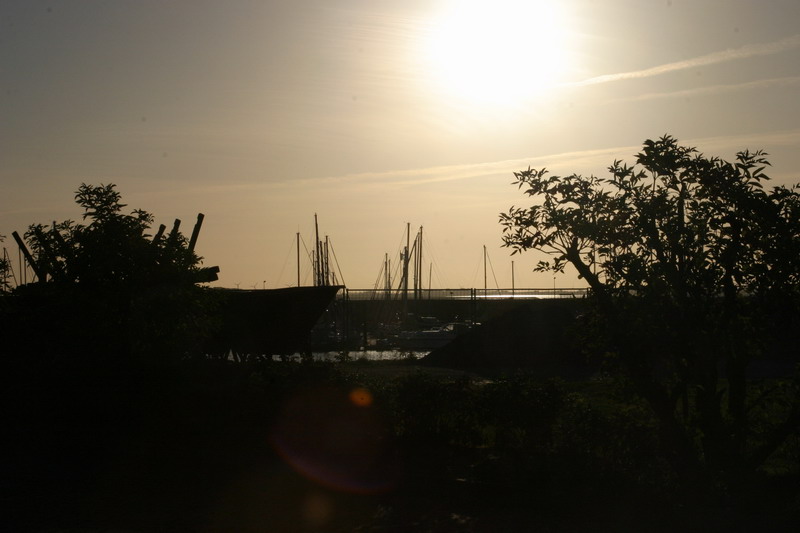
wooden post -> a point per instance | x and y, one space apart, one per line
196 232
29 258
175 229
159 233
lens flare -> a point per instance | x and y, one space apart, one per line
337 438
361 397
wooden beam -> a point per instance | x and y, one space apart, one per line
207 274
196 232
175 229
159 233
29 258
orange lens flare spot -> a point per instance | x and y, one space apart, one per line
361 397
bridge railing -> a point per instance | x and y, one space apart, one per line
463 294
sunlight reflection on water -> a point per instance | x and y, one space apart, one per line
355 355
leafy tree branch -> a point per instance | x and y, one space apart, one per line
688 259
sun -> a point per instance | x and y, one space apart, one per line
497 52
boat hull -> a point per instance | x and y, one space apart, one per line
268 322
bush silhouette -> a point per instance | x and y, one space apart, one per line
108 289
693 268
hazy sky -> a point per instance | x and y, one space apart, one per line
372 114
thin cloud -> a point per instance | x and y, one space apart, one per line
714 89
595 160
420 176
752 141
747 51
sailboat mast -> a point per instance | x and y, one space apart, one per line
405 268
419 261
318 260
485 287
298 258
327 274
387 283
430 277
416 265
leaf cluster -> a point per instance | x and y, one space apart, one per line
676 223
110 249
107 287
694 267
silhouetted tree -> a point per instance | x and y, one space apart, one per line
113 251
111 288
690 262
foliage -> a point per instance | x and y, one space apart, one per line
108 288
690 262
113 251
5 268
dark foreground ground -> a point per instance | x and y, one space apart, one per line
371 447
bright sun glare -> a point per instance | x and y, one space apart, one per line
497 52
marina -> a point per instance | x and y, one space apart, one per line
400 317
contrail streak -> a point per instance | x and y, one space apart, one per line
750 50
714 89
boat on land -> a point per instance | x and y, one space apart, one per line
268 321
252 322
